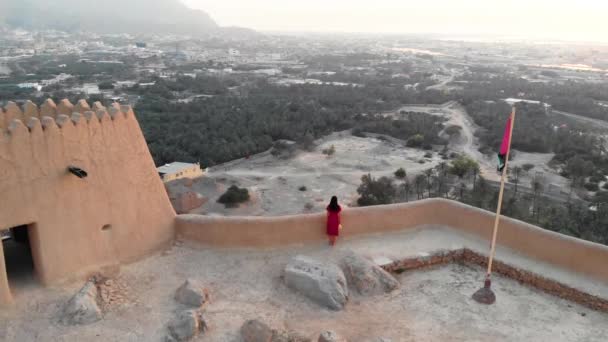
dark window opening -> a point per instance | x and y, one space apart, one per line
18 256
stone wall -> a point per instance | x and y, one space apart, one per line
118 213
536 243
467 256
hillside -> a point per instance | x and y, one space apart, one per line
114 16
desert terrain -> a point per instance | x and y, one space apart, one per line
305 181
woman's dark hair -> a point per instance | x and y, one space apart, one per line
333 204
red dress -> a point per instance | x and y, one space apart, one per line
333 222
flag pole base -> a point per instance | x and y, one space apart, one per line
485 295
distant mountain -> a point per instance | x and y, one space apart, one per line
106 16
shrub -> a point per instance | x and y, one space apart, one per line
461 166
358 132
375 192
283 149
527 167
415 141
302 188
306 142
591 186
330 151
105 85
400 173
233 196
597 177
453 130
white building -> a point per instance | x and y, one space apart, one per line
177 170
36 86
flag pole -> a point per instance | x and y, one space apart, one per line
485 294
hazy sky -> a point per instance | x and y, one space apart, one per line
566 19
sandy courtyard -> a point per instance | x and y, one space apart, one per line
431 305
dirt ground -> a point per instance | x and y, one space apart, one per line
275 183
430 305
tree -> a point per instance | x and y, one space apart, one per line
429 184
578 169
479 194
400 173
419 184
233 196
538 184
461 166
462 188
407 188
442 173
307 142
515 171
475 171
375 192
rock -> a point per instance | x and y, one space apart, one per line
192 293
283 336
186 325
322 282
82 308
256 331
366 277
330 336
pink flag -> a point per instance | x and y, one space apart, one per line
504 146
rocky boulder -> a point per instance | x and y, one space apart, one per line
366 277
330 336
257 331
323 283
192 293
185 326
284 336
82 308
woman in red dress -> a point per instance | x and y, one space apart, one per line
333 220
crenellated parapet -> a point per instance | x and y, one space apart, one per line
66 213
15 118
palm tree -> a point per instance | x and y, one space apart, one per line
516 170
442 172
475 171
407 188
538 184
419 183
429 174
